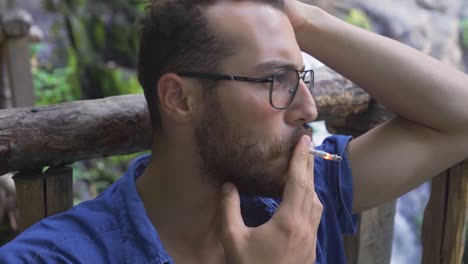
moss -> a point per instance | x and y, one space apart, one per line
358 18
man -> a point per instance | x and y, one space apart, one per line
228 99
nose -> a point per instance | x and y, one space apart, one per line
302 109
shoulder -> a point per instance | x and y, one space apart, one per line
335 144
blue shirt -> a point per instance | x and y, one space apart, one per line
114 227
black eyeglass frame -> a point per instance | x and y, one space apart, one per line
223 77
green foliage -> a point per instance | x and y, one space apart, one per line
98 33
464 30
358 18
54 85
122 35
95 51
100 173
81 41
115 80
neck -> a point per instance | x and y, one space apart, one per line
180 202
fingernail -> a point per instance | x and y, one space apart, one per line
227 187
306 140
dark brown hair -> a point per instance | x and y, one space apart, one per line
174 36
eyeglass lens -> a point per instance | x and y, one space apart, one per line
284 86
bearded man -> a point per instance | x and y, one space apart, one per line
230 178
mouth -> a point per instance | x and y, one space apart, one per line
308 125
285 148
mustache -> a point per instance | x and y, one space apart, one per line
288 144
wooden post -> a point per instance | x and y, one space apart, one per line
445 217
376 234
19 69
58 190
5 90
40 195
16 24
30 198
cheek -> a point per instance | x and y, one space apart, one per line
250 107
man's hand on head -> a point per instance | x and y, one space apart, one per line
296 12
290 236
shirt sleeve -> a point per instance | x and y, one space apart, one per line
339 180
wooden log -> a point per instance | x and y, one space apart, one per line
358 124
64 133
16 23
30 198
446 216
58 190
337 97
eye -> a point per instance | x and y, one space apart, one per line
281 77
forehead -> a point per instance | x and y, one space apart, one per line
261 36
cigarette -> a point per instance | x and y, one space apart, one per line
325 155
322 154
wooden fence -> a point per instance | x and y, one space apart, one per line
33 138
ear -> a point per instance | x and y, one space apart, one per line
176 97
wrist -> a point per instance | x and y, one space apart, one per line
315 19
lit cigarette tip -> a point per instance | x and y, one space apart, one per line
325 155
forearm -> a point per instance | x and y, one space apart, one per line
408 82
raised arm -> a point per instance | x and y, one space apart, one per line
430 98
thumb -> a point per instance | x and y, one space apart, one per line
232 224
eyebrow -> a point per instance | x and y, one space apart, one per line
276 64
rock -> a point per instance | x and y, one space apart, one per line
433 31
432 4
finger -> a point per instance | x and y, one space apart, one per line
310 167
232 224
315 212
308 201
296 182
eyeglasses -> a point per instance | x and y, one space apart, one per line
283 83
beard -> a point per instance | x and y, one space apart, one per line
231 153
